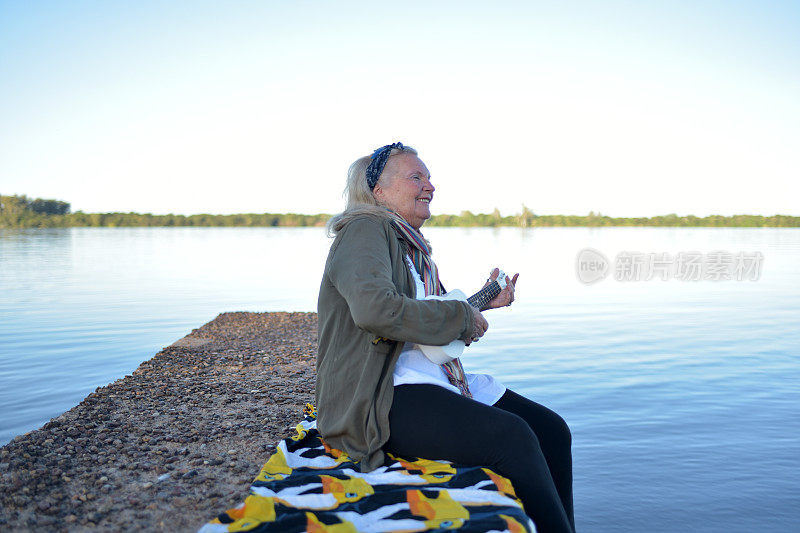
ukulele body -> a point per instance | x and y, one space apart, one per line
448 352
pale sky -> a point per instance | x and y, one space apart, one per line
626 108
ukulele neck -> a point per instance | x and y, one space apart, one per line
480 299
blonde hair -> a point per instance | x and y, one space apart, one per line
360 199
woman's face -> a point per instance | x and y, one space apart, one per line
405 187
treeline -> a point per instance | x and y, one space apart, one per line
529 219
22 212
23 204
19 212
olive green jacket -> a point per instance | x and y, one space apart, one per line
367 309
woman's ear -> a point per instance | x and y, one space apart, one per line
377 192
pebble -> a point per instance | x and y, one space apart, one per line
201 404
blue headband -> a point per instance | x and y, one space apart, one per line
379 158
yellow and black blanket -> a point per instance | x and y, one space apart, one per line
307 486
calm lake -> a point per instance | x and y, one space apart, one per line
683 396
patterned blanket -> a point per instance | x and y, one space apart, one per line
308 486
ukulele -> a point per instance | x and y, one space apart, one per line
479 300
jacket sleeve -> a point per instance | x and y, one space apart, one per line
360 269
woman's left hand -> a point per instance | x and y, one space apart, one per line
506 296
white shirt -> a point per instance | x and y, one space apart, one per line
414 367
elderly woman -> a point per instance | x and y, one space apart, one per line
376 391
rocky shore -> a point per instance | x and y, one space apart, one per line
173 444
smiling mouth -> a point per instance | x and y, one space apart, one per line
426 200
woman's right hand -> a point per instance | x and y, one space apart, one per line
481 325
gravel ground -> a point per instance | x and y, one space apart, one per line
173 444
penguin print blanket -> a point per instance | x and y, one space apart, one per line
308 486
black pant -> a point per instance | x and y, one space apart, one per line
519 439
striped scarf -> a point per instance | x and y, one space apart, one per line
420 252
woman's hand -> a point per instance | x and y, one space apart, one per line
506 296
481 325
